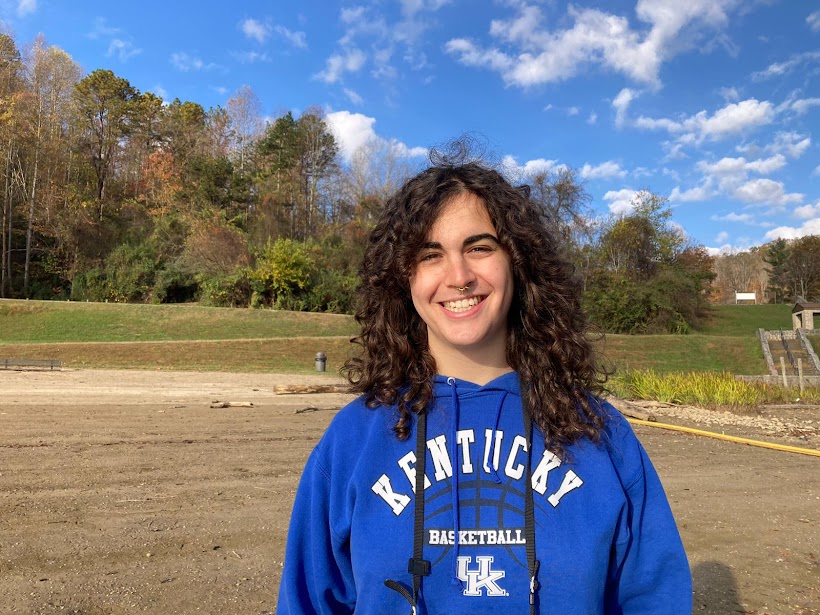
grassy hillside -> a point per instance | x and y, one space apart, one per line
199 338
52 321
736 320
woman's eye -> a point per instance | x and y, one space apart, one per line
428 257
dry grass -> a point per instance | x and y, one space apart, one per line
295 354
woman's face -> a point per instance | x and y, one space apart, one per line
462 284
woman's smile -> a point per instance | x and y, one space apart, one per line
459 306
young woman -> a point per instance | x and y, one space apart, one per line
477 472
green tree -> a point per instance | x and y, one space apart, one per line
802 267
645 279
297 160
12 90
283 271
775 255
106 107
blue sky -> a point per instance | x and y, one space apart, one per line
711 103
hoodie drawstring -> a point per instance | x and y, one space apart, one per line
529 510
454 483
494 440
417 566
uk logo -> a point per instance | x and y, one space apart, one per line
483 577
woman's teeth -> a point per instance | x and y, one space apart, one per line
462 305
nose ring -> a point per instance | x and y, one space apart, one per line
462 289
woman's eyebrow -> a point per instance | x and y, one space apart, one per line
435 245
481 237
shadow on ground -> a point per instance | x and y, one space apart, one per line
715 590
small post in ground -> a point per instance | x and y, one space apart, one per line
783 371
800 374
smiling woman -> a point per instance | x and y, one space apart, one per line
462 288
473 347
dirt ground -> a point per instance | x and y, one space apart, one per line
125 492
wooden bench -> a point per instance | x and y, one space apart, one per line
31 363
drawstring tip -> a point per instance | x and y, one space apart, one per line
533 589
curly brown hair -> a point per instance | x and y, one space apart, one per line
547 341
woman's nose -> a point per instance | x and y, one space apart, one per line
459 272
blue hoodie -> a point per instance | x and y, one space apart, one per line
605 536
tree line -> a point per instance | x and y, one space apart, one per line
112 194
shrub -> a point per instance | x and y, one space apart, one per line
231 290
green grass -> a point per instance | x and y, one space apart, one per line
735 320
200 338
710 390
676 353
30 322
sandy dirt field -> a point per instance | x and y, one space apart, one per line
126 492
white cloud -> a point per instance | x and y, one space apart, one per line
789 143
732 178
353 96
185 62
743 245
814 21
698 193
674 151
250 57
808 211
729 94
297 39
592 119
473 56
730 171
731 120
411 7
539 55
733 217
621 201
804 105
161 92
812 227
779 69
517 173
102 29
353 130
767 165
765 192
122 49
408 152
621 104
26 7
367 28
256 30
337 64
605 170
816 170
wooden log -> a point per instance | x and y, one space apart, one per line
231 404
304 389
631 410
315 409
